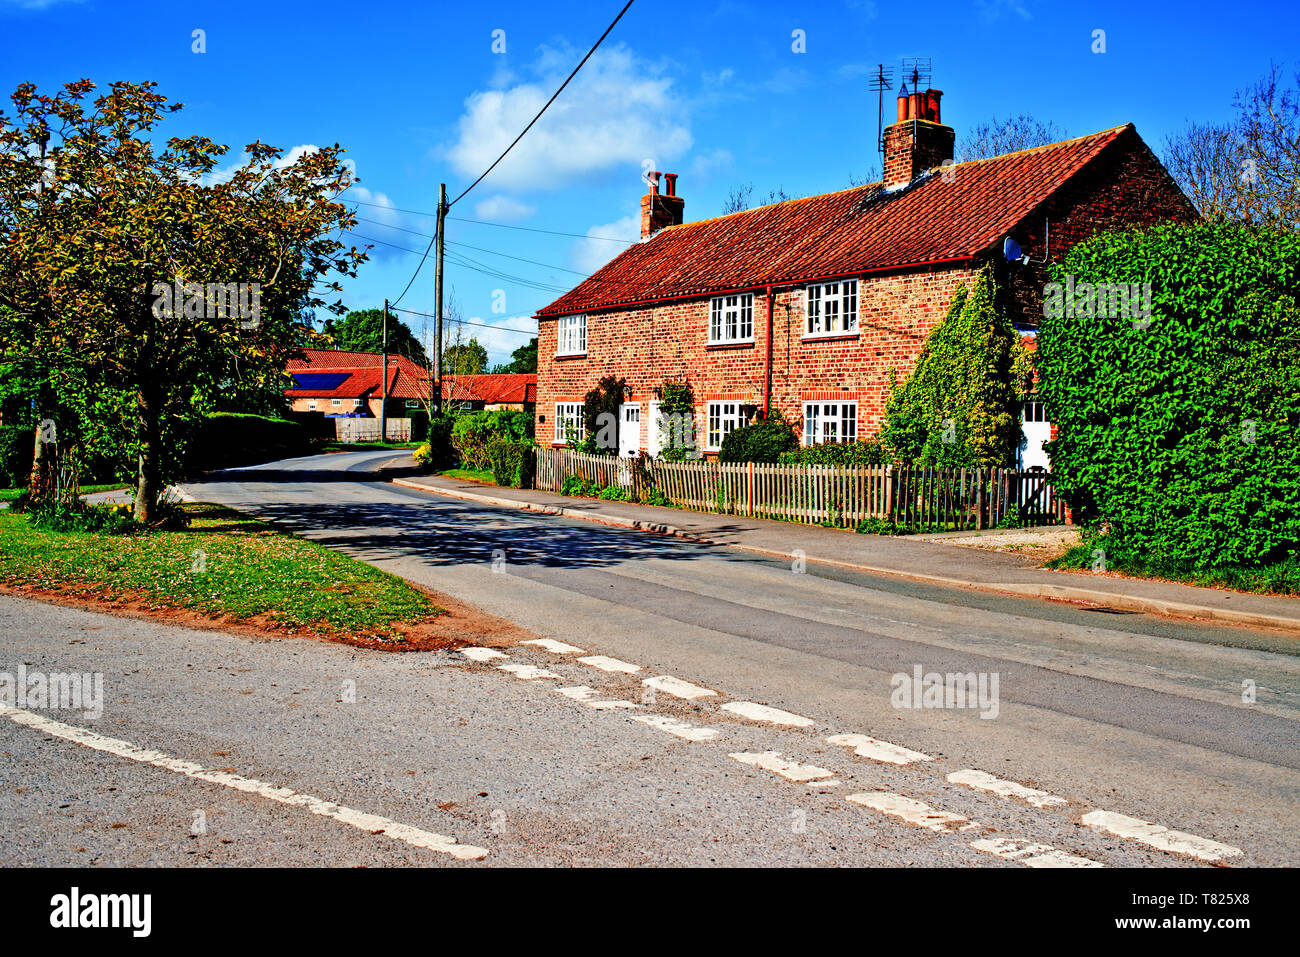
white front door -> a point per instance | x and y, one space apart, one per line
1036 430
629 429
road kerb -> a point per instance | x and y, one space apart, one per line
1105 599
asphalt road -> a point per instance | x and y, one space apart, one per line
1101 715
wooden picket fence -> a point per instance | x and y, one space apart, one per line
913 498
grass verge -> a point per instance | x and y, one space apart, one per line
472 475
224 568
1280 578
9 494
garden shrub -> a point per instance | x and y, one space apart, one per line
513 463
600 411
1180 432
677 422
763 441
473 434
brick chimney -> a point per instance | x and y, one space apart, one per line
661 210
917 141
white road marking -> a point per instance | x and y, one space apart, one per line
589 697
1031 855
528 672
983 781
761 712
790 770
877 750
610 664
370 823
482 654
678 688
910 810
680 728
553 646
1159 837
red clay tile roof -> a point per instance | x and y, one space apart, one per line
506 388
853 231
406 379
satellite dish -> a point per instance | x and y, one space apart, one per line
1011 250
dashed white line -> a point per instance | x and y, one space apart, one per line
876 750
679 728
610 664
1031 855
482 654
983 781
761 712
790 770
1159 836
553 646
590 698
370 823
528 672
678 688
910 810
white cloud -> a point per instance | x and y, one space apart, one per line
590 254
994 9
503 209
619 110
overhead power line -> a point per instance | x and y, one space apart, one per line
553 98
469 322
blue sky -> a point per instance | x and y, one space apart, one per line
714 91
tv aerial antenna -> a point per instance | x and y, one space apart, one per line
882 81
918 70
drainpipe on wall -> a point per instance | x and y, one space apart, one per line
767 379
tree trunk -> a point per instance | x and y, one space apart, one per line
39 482
148 474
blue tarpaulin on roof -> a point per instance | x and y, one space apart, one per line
319 381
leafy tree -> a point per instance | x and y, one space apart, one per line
960 406
120 265
468 358
362 330
600 410
763 441
522 360
995 138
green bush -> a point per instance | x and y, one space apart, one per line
512 464
436 453
577 487
763 441
61 515
677 422
613 493
959 408
600 411
228 439
1181 433
837 453
879 526
473 433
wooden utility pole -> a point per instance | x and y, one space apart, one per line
383 402
437 313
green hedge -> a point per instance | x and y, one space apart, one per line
1181 433
762 442
837 453
228 439
473 434
512 464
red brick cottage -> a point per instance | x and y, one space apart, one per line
805 305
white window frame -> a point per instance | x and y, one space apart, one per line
358 403
723 416
571 335
311 406
831 309
412 403
833 420
568 413
336 402
731 318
